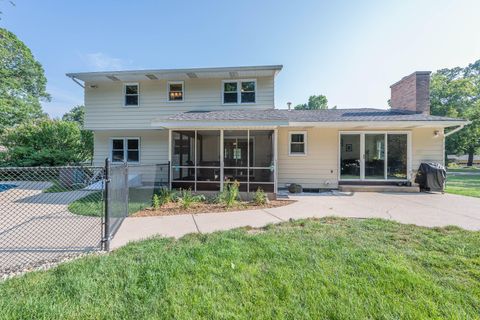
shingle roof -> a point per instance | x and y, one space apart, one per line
329 115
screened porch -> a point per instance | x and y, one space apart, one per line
206 160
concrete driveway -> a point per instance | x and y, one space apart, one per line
423 209
37 226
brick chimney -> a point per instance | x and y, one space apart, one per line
412 93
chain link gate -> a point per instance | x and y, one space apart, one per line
116 199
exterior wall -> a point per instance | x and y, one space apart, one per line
153 145
105 110
319 168
426 147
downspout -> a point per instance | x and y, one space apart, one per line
454 130
76 81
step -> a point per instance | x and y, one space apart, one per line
377 188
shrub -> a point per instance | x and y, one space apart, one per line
156 202
167 196
187 199
259 197
230 194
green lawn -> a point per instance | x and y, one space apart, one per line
328 268
466 185
92 204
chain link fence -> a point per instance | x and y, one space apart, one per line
51 213
47 213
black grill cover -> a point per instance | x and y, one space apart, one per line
431 176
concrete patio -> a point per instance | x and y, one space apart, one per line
423 209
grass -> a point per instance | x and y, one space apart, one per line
328 268
92 204
466 185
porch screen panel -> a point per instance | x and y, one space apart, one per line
236 157
397 156
261 173
208 160
183 159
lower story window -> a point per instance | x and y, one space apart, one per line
297 144
125 149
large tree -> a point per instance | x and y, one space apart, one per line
77 115
314 103
22 82
43 143
456 93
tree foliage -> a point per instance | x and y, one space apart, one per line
22 82
77 115
456 93
314 103
43 142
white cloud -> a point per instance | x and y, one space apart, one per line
100 61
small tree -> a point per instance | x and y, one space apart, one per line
314 103
43 143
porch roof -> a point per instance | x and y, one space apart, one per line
282 117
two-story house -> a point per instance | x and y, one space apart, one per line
220 124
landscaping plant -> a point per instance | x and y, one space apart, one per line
230 194
259 197
187 198
156 204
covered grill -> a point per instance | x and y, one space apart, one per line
431 177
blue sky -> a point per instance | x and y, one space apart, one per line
351 51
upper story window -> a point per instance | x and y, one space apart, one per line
125 149
175 91
131 94
297 143
239 91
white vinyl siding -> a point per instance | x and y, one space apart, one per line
153 145
105 111
426 147
318 168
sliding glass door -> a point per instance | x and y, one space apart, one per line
373 156
374 165
350 156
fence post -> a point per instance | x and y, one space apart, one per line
126 190
168 176
106 227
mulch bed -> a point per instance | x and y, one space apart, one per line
171 209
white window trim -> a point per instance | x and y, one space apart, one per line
239 91
305 142
168 91
125 149
125 94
